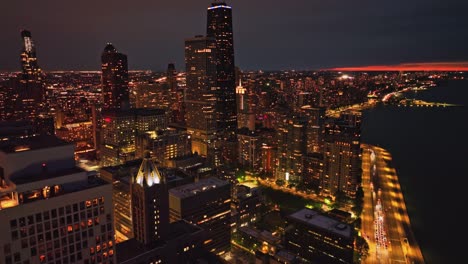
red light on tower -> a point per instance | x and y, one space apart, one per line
107 119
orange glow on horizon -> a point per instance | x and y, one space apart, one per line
426 66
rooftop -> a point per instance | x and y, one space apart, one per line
31 143
192 189
314 218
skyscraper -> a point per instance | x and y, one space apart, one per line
114 78
31 91
32 73
219 27
200 99
150 214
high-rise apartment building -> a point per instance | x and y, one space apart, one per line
342 155
219 27
207 204
114 78
51 210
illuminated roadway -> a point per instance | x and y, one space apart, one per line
383 184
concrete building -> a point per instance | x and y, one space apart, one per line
205 203
318 238
51 210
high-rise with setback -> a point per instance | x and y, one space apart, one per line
219 27
114 78
31 90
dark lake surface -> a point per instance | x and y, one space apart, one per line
430 153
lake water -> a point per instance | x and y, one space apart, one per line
430 153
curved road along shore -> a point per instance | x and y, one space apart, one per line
381 182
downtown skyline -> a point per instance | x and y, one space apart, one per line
269 35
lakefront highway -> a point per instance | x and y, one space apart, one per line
385 221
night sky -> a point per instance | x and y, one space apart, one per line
268 34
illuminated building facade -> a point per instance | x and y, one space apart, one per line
318 238
201 92
315 130
207 204
249 150
114 78
342 155
121 178
164 144
291 148
245 206
155 239
51 210
245 115
119 129
219 27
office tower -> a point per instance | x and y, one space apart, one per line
342 155
219 27
205 203
249 150
201 92
114 78
319 238
119 129
31 72
150 206
51 210
30 90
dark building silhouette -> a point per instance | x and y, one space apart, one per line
319 238
205 203
219 27
114 78
30 89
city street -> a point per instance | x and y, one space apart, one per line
385 221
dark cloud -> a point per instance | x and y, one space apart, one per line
274 34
